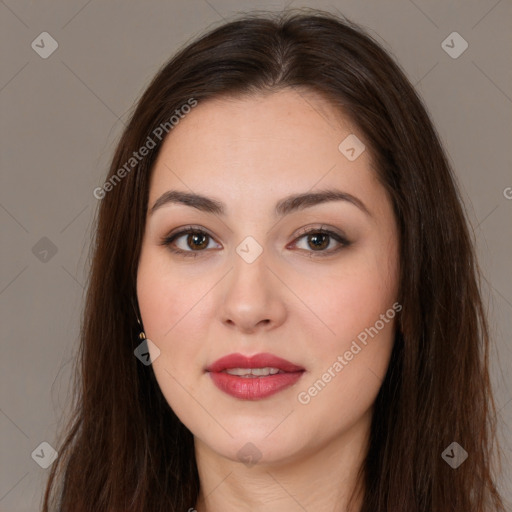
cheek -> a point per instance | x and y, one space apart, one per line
357 305
173 307
166 296
162 302
350 297
348 373
165 307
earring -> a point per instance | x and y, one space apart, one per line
142 334
143 350
147 351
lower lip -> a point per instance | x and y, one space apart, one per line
254 388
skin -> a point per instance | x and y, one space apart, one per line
250 152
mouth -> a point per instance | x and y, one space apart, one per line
253 378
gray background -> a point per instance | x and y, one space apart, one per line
61 117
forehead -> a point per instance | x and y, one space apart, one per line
281 141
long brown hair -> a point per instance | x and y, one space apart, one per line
125 449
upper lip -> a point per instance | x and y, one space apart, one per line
263 360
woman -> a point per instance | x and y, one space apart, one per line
283 310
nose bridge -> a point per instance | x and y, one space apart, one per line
253 295
248 283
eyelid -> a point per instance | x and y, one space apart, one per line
324 228
182 230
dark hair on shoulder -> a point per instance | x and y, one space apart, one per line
125 449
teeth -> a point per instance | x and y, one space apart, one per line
258 372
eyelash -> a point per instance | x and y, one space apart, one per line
168 240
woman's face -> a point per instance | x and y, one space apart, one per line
250 280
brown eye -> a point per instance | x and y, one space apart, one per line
196 241
319 240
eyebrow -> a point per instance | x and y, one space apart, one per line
283 207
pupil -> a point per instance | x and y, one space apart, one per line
315 237
194 237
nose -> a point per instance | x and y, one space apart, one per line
253 298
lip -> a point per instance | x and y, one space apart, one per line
253 388
256 361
